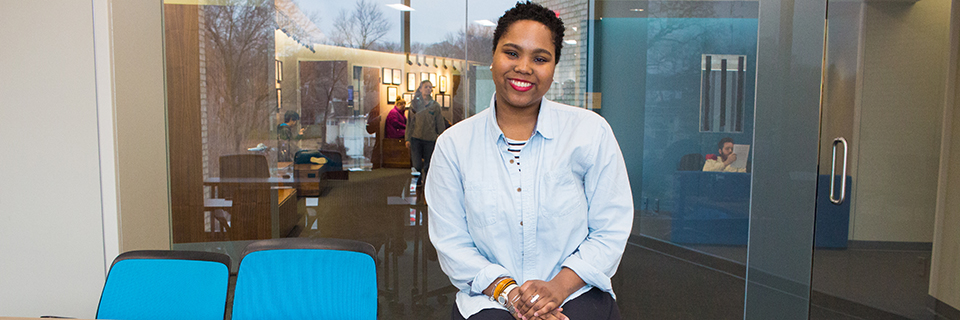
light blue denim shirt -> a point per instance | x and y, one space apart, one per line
566 202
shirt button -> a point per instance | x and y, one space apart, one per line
518 189
511 160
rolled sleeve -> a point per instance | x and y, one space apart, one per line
588 273
486 276
609 216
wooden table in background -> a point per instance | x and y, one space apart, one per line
254 217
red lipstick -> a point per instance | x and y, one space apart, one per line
520 85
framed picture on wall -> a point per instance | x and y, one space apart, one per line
443 84
391 94
279 98
423 77
387 76
447 101
433 79
439 98
411 81
408 97
397 76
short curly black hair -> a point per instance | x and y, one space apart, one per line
534 12
723 142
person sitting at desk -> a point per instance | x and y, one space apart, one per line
721 161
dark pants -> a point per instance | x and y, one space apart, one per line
420 153
594 304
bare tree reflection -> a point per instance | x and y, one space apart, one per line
298 24
362 27
240 88
674 36
478 39
323 92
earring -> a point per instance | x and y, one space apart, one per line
491 67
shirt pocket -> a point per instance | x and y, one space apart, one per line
561 193
480 204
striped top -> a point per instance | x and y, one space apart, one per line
514 147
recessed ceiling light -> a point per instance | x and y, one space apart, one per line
570 41
400 6
574 28
637 10
485 23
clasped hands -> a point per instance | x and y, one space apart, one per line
536 300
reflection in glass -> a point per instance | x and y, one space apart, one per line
362 27
338 66
690 207
721 94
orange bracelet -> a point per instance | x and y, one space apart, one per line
502 285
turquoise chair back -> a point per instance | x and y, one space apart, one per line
155 284
301 278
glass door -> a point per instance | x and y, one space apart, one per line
789 59
716 107
881 124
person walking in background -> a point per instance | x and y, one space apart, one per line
422 97
423 128
285 136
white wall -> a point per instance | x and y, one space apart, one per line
905 49
51 232
944 279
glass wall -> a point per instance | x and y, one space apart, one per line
282 117
676 81
283 123
695 65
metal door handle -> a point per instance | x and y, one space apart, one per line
833 172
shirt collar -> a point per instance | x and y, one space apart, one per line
546 120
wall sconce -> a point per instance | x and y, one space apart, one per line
418 60
444 63
435 62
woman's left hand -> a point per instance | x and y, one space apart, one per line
538 298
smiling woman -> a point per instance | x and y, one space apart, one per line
575 196
523 66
